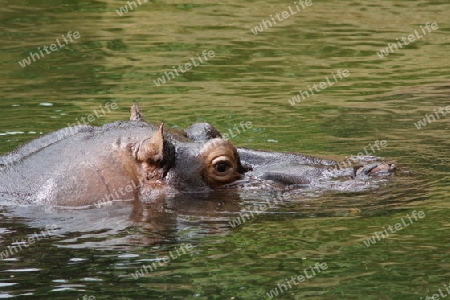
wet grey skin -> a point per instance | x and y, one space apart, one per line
134 160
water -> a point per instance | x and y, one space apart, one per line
250 78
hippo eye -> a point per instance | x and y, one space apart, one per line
222 167
221 164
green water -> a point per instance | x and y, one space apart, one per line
251 78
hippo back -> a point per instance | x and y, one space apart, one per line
71 161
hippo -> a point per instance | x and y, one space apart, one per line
82 166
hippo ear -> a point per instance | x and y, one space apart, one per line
156 150
135 114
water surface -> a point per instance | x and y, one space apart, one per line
251 78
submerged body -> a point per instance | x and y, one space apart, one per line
85 165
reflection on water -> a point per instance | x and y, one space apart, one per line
251 78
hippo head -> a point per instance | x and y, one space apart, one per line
198 159
163 159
